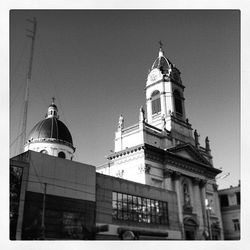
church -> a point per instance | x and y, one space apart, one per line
162 151
159 182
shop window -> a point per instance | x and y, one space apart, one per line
139 209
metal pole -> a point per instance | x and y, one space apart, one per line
31 34
43 211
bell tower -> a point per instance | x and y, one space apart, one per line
165 97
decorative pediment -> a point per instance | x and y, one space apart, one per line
189 152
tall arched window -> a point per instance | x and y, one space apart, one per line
178 102
156 102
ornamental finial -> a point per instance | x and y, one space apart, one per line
207 144
196 138
121 123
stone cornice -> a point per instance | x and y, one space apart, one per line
192 150
162 156
126 151
193 166
153 83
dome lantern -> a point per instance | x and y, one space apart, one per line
52 110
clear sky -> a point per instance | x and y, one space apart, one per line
95 63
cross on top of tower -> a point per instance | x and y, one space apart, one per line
161 44
53 100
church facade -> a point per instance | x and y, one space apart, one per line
162 151
159 183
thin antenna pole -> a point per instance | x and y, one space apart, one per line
31 34
43 212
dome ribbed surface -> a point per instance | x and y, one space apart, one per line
50 128
162 63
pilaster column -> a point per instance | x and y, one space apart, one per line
163 101
118 141
203 198
176 179
149 110
197 205
196 191
217 208
168 183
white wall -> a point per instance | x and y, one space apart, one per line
52 148
129 167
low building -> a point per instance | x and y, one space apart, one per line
140 211
230 211
53 198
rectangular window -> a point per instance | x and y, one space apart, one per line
238 198
114 205
236 223
224 200
139 209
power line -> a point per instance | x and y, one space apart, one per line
63 187
57 179
13 72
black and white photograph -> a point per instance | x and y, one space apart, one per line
124 125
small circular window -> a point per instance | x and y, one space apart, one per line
44 151
61 155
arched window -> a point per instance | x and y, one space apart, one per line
61 155
44 151
178 102
156 102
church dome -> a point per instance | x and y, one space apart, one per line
51 129
50 133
